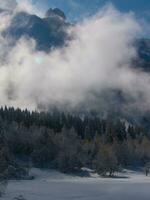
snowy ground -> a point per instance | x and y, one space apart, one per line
52 185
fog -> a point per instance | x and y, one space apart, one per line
97 59
8 4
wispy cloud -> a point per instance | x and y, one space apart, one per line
28 6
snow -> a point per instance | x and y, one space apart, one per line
53 185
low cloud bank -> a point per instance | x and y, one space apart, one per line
98 59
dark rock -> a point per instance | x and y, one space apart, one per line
47 32
55 13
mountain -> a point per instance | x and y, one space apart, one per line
143 61
56 12
51 31
48 32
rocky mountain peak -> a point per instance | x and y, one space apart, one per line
56 12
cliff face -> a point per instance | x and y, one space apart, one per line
48 32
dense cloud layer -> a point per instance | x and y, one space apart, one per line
98 59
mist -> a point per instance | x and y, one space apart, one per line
8 4
97 59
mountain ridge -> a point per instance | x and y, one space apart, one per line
51 32
48 32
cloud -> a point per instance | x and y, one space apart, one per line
28 6
8 4
98 59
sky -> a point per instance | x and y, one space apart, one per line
77 9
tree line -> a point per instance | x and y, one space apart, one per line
68 142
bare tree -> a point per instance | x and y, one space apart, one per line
106 162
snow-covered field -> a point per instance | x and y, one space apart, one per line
52 185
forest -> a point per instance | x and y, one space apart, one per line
67 142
